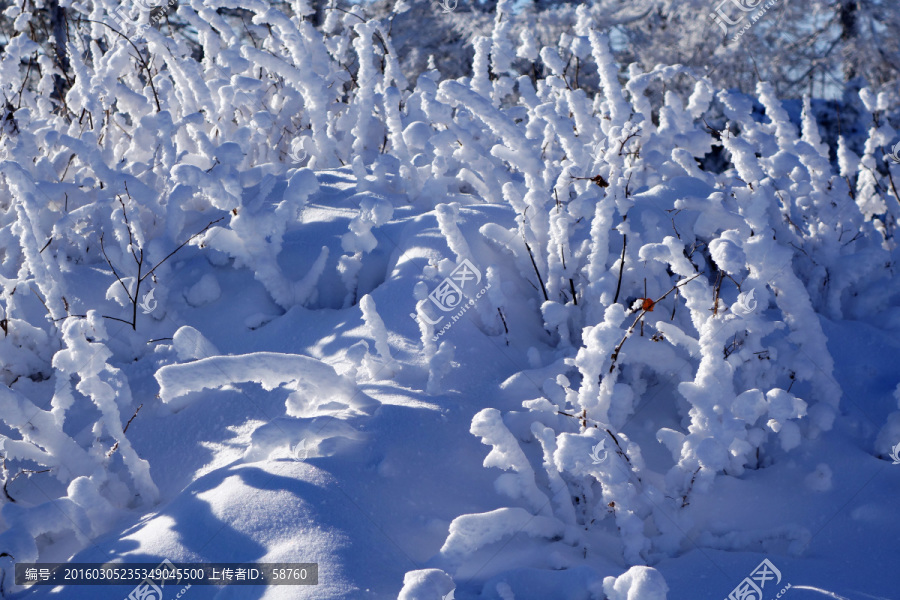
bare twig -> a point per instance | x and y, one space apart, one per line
647 307
621 268
625 141
109 262
139 261
137 410
684 498
538 273
127 224
597 179
124 429
715 308
16 476
185 243
140 58
48 310
503 320
533 263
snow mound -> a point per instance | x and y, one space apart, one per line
190 344
426 584
820 479
471 532
304 438
637 583
204 291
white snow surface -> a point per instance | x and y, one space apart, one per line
262 452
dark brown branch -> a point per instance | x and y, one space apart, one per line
127 224
124 429
48 310
503 320
185 243
143 62
621 268
533 263
109 262
644 310
14 477
625 141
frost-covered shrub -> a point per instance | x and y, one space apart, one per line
652 272
101 479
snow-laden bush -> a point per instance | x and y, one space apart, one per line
651 270
101 480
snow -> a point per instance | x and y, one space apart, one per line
379 333
190 344
470 532
318 381
227 331
204 291
820 479
426 583
637 583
